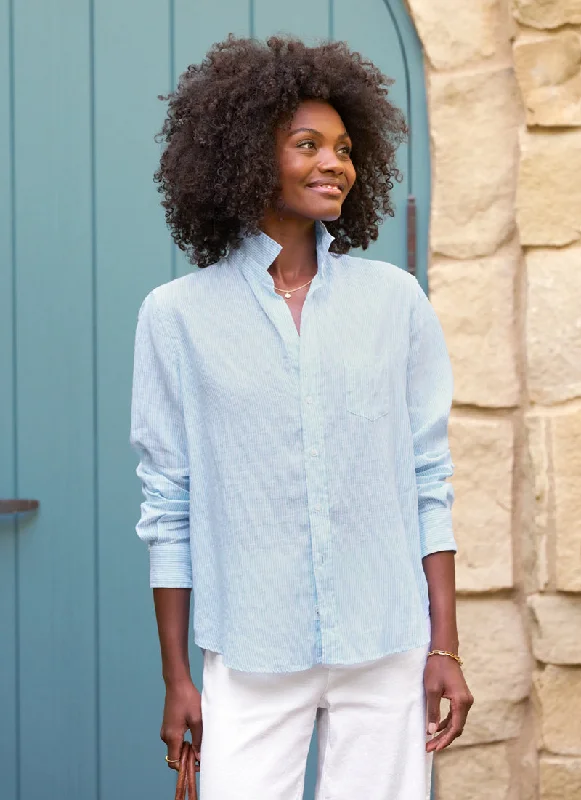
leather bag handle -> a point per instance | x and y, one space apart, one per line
186 785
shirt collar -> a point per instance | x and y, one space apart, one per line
257 252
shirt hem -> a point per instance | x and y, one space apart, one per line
216 648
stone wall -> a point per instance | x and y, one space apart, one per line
504 89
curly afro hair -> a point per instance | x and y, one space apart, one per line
218 171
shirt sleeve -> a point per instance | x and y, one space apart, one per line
158 437
429 397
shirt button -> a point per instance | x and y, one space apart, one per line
309 399
317 507
314 451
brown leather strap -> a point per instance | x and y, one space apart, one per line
191 777
186 785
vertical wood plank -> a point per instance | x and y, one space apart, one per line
201 23
8 679
132 56
198 24
371 32
419 143
307 19
55 397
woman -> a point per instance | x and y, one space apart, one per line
290 410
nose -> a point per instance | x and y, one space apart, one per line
330 162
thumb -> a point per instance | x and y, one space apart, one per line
433 697
196 729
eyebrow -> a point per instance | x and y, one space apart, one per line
344 135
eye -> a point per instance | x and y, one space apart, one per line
306 141
347 149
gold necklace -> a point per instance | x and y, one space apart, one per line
290 291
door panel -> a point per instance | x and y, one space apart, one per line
372 34
55 568
304 18
418 152
83 236
197 25
8 629
132 45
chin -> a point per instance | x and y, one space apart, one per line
328 214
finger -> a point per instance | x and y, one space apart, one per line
196 729
433 698
442 740
444 723
174 749
458 713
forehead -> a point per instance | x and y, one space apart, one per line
317 114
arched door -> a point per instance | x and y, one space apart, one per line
82 241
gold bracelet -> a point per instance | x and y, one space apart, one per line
446 653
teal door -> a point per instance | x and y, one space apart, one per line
82 241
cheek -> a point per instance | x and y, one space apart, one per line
292 170
352 175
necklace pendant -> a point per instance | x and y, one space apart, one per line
288 294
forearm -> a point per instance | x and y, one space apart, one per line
439 569
172 611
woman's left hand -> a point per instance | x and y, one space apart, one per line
443 677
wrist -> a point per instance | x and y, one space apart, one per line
177 677
444 641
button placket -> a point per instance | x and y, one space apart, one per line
315 470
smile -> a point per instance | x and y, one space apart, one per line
327 188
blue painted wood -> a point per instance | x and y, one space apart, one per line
373 34
8 629
419 168
132 47
197 25
55 390
309 20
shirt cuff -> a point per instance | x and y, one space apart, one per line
170 565
436 532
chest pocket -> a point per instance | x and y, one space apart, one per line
367 388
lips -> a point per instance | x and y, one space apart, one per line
333 189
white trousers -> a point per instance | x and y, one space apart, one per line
371 731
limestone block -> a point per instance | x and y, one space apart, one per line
497 666
448 46
558 692
556 628
547 13
482 452
560 778
474 301
549 74
566 428
525 762
534 541
473 773
474 119
549 193
554 324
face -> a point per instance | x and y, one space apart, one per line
315 167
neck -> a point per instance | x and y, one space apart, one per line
297 261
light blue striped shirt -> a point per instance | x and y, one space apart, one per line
294 481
